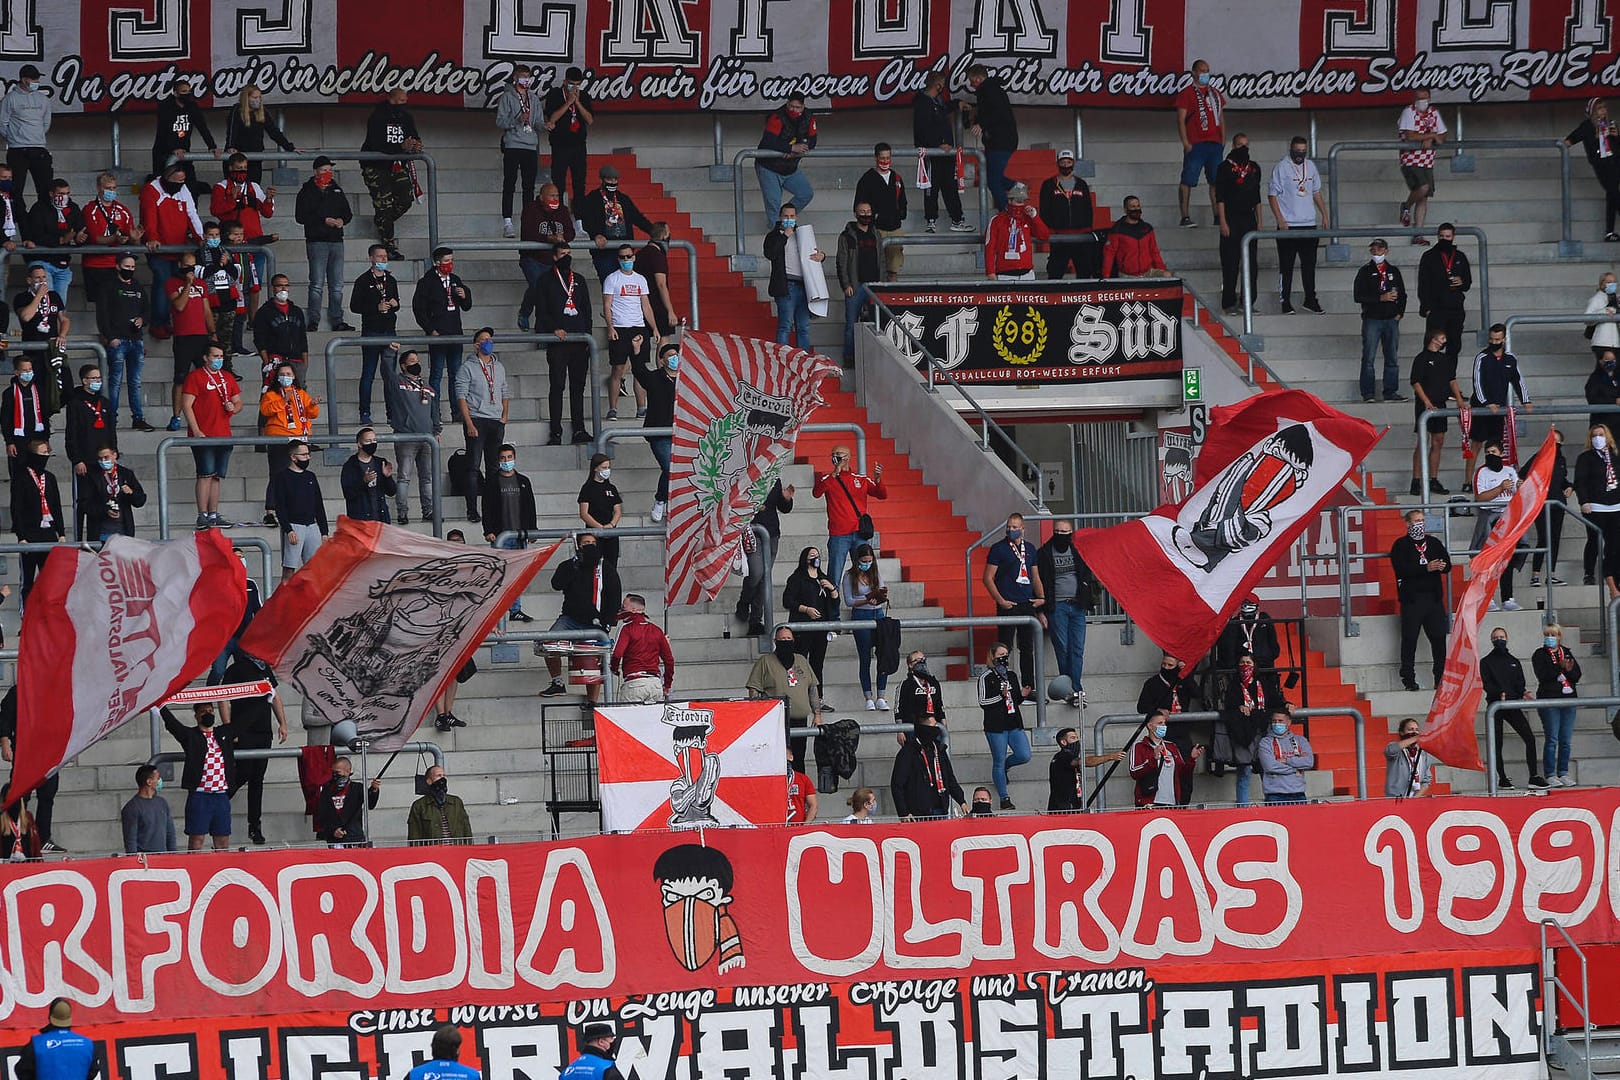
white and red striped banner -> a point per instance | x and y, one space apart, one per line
108 634
1267 466
738 408
375 626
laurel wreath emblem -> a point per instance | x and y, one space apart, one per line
1008 332
708 477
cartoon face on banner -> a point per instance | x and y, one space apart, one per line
1175 465
695 883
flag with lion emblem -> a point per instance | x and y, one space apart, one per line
739 405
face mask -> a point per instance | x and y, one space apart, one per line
216 362
784 653
1203 78
487 346
94 386
284 380
920 667
25 377
205 719
211 241
1160 731
1134 215
1000 664
1062 541
1608 366
1550 641
610 186
524 81
5 185
511 466
788 223
604 472
1609 287
552 204
413 369
1409 734
1498 346
107 466
1379 259
371 448
439 789
815 564
865 564
1296 156
1279 729
1015 534
340 780
1421 105
282 296
299 463
672 362
627 265
1599 442
59 201
1499 644
864 219
563 262
447 266
1169 669
323 180
983 809
1065 168
41 462
1493 461
1249 609
127 275
381 268
1240 154
159 783
1417 531
109 196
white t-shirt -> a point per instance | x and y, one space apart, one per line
1487 478
1294 186
851 819
626 291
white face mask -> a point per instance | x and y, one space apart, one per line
1599 442
282 295
603 473
1379 259
1421 105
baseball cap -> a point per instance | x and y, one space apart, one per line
29 71
609 172
1378 243
1065 154
61 1013
1018 193
322 161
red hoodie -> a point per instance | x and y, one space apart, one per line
169 219
641 648
1132 250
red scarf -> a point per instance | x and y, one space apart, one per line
111 478
568 293
932 766
295 410
44 504
39 424
1246 684
1209 105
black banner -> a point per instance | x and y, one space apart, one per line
1041 331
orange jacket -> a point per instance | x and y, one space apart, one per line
291 412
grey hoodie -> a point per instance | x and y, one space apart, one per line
514 134
25 116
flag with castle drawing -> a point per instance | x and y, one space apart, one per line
739 406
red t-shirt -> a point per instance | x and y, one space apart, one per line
211 389
192 319
798 808
1205 107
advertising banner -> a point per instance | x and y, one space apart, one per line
101 55
1039 331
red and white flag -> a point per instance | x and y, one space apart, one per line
738 408
375 626
692 765
109 634
1450 734
1268 466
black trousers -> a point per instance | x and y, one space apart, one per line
483 449
812 645
514 163
570 364
45 806
30 162
942 171
1026 639
1426 614
1451 321
1608 174
1608 523
1085 258
1542 537
1289 250
795 745
250 774
1515 719
1232 261
569 161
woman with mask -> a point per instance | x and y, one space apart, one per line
288 411
1001 698
1494 484
1162 773
246 126
865 595
601 506
1557 672
19 837
657 380
1284 759
861 806
1603 336
1597 486
811 596
1600 137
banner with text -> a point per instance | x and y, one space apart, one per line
614 916
1040 331
1421 1014
100 55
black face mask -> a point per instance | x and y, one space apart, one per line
1493 461
588 554
340 781
1442 243
368 448
1498 346
864 219
563 262
413 369
126 275
205 719
1499 646
1240 154
172 186
1062 541
983 809
439 789
1134 215
39 462
1296 156
784 652
1065 170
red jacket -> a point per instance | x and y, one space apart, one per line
169 219
246 203
1145 770
1009 246
101 220
1131 251
641 648
842 517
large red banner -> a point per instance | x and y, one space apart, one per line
100 55
630 916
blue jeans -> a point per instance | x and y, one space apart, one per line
1384 332
995 165
325 270
1558 725
1279 799
129 354
162 272
60 277
852 315
771 186
1068 623
444 357
512 543
864 647
1000 742
370 357
1243 774
532 268
661 449
793 313
839 549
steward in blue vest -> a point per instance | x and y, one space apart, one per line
444 1066
58 1052
595 1061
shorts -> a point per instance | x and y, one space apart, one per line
1486 428
208 813
189 351
1437 426
309 541
565 622
1417 176
622 348
1204 157
212 461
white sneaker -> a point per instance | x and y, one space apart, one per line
882 705
658 511
1566 780
506 228
1496 605
1512 605
871 706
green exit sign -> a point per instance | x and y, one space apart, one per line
1192 384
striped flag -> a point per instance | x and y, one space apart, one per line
739 405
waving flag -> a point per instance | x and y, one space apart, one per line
1450 734
108 635
1268 465
375 626
738 408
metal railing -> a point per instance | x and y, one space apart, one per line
1127 634
1550 411
1567 245
603 443
173 442
1572 318
850 625
1099 794
41 254
90 345
1492 723
1219 318
430 182
1553 988
987 423
963 240
586 244
841 153
1255 343
427 341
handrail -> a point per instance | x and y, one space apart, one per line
520 246
948 623
1219 318
962 240
856 153
1552 986
1567 244
172 442
1495 707
1612 626
90 345
602 444
40 254
1249 239
1554 411
420 341
1571 318
430 186
1099 790
986 422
